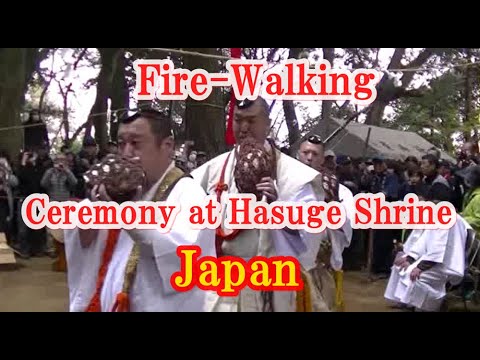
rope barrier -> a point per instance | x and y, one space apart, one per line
223 57
445 67
116 111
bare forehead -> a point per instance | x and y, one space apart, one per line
139 127
308 146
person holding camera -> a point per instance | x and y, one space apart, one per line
59 183
33 164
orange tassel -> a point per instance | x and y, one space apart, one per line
122 303
235 53
95 305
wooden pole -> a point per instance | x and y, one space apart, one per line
370 253
367 141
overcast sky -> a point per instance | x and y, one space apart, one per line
82 100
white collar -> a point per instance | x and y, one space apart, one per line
148 196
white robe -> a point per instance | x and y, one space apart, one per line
445 247
295 182
151 290
342 237
324 288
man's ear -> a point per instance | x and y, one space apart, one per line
168 143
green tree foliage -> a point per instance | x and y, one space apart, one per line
17 66
435 115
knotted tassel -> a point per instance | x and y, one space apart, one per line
304 296
339 303
122 303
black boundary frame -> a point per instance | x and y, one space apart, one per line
312 334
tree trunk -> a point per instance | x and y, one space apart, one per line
17 66
468 99
325 125
205 120
119 94
66 124
98 113
375 115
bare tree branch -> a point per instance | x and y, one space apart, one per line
47 85
78 131
79 58
376 62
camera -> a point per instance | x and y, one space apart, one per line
462 156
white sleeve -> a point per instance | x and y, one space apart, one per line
342 237
163 246
299 244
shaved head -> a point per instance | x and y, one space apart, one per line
248 108
251 119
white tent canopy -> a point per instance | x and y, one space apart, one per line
360 140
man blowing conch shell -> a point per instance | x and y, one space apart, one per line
288 180
130 270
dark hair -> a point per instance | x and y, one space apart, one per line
391 164
437 152
432 159
89 141
285 150
314 139
423 191
160 123
414 171
343 160
473 176
245 104
435 193
445 163
412 159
